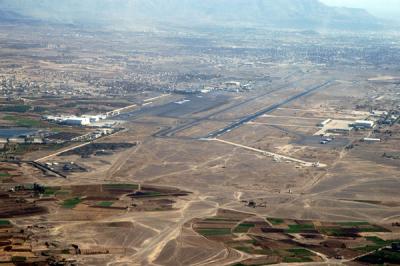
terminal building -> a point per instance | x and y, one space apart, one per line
76 121
70 120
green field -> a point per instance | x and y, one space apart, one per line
275 221
377 244
19 108
298 228
71 203
121 186
215 231
63 192
23 122
353 224
301 252
105 204
243 227
4 222
39 109
2 174
18 259
372 229
49 191
347 229
152 194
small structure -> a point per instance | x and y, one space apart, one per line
371 140
324 123
235 84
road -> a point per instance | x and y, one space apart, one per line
271 154
59 152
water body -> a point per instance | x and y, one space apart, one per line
16 132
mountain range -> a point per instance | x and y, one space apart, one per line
308 14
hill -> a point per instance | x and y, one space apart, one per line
309 14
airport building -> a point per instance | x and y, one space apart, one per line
76 121
371 140
363 124
69 120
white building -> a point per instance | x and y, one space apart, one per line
16 140
94 118
76 121
371 140
233 83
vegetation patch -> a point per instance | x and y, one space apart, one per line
276 221
49 191
372 229
19 108
215 231
299 228
377 240
385 256
105 204
23 122
39 109
3 174
62 192
18 259
243 227
377 244
4 222
121 186
71 203
353 224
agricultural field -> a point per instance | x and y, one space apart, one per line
277 240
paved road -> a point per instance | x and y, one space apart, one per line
271 154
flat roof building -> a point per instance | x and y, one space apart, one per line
363 124
76 121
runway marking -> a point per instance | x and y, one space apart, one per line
292 117
155 98
281 125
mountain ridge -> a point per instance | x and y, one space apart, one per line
274 13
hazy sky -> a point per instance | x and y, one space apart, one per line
382 8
